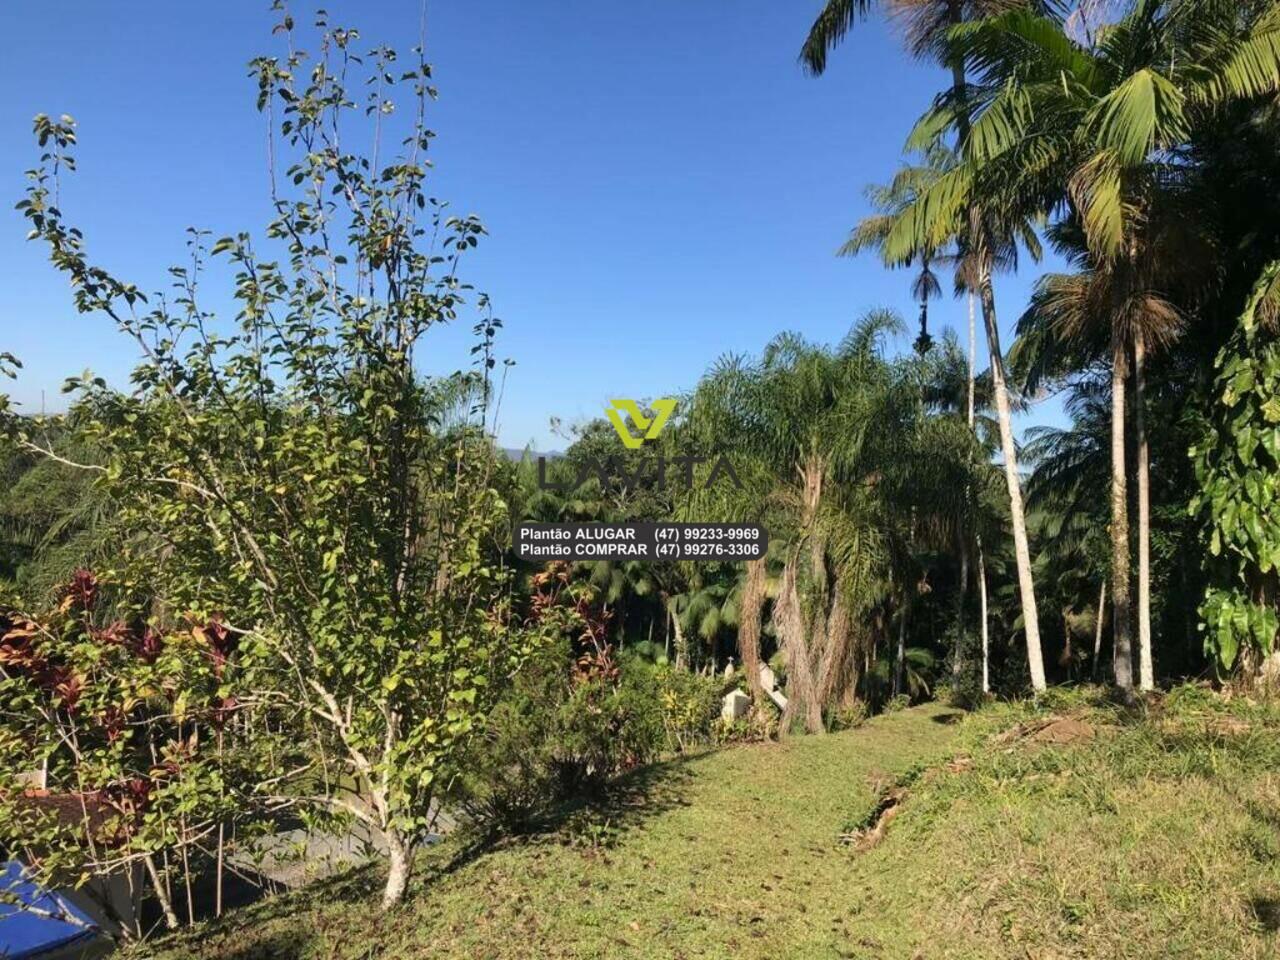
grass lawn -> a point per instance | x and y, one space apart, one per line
1156 836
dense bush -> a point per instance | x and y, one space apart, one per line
576 717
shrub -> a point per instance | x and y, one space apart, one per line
574 719
559 734
690 705
760 725
965 689
848 717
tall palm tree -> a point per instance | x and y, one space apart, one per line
1092 123
980 234
1131 310
889 200
929 216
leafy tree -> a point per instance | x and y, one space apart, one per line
1237 461
124 721
293 472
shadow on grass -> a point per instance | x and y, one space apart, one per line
603 816
284 945
1266 910
251 931
284 927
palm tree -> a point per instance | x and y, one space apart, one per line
806 412
892 202
1131 311
927 215
889 201
841 436
1092 123
981 236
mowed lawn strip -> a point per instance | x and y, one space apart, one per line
1157 835
734 852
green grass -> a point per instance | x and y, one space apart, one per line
1158 838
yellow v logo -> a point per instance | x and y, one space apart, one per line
649 427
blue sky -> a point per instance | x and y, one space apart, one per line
662 182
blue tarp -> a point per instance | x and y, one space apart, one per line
25 934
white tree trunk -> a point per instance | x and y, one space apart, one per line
400 859
1146 664
973 358
162 897
682 648
982 605
900 655
1021 549
1120 527
1097 633
973 424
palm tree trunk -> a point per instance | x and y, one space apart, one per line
958 666
1097 634
962 607
749 626
833 667
973 359
1021 549
682 645
982 604
802 694
1120 526
900 656
1146 665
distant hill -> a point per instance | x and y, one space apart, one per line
516 455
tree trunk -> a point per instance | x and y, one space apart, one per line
1022 552
1120 527
973 362
1146 664
749 626
162 897
219 867
1097 632
833 668
682 645
400 859
900 654
982 567
802 694
982 603
957 659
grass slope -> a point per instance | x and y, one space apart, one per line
1158 838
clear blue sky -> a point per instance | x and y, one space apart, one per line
661 180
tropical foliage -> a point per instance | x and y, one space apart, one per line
272 581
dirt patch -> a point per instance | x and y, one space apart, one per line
871 830
1056 731
878 822
1064 731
